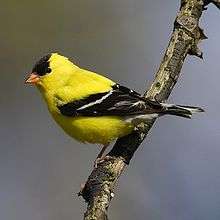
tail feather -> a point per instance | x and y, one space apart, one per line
181 110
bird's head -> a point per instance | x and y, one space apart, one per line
51 72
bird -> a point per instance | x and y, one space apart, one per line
92 108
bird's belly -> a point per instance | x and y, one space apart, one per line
102 130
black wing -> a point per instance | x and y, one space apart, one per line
119 101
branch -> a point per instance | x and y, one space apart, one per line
98 190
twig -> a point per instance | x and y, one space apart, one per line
98 190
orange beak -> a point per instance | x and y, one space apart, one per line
32 79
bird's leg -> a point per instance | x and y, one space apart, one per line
100 157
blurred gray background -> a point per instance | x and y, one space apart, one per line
175 173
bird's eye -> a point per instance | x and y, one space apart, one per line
42 66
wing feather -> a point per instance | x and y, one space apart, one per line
120 101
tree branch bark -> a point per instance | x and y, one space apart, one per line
98 190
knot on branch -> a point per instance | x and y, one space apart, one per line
199 36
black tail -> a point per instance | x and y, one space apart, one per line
182 111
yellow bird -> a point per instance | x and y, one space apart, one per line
92 108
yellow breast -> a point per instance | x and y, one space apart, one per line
101 130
